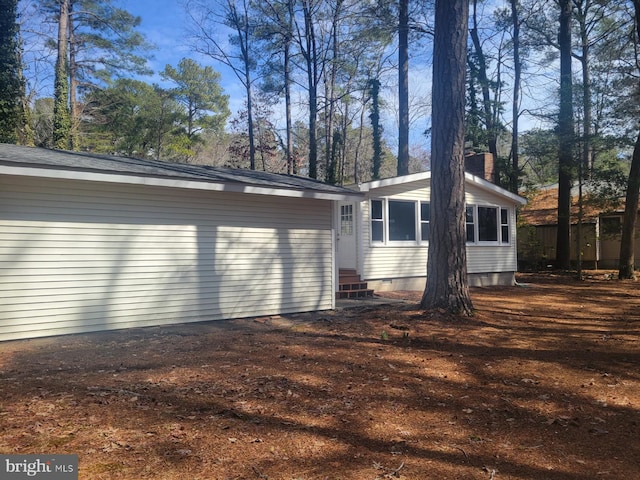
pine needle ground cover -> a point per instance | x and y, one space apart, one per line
542 383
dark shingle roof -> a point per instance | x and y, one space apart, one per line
14 155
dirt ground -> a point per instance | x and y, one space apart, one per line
542 383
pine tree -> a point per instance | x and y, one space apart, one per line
10 85
61 114
447 285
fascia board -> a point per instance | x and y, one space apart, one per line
175 183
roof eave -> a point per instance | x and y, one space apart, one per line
416 177
209 185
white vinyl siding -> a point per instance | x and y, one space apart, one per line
495 258
86 256
498 257
389 261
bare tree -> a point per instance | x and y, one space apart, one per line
276 34
514 183
489 108
309 47
235 50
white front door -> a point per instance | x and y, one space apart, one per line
347 235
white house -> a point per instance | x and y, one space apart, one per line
90 242
384 236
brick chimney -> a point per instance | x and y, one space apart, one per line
480 165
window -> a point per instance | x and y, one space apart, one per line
399 221
425 219
402 221
487 224
471 224
611 225
377 221
346 219
504 225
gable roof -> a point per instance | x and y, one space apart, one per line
423 176
41 162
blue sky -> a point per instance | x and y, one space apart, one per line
164 25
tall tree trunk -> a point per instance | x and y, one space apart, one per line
10 68
356 159
73 84
403 88
585 164
447 286
565 139
492 136
374 85
61 117
291 168
330 97
26 134
627 254
244 35
514 183
250 125
311 59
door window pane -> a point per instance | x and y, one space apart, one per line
346 219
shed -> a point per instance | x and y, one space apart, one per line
601 231
384 237
92 242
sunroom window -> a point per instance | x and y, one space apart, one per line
487 224
504 224
470 219
399 221
402 221
377 221
425 220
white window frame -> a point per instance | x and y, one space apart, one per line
499 225
386 241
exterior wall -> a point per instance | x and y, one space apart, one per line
537 246
388 268
384 261
482 259
86 256
610 249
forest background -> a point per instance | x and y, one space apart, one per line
339 58
337 90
